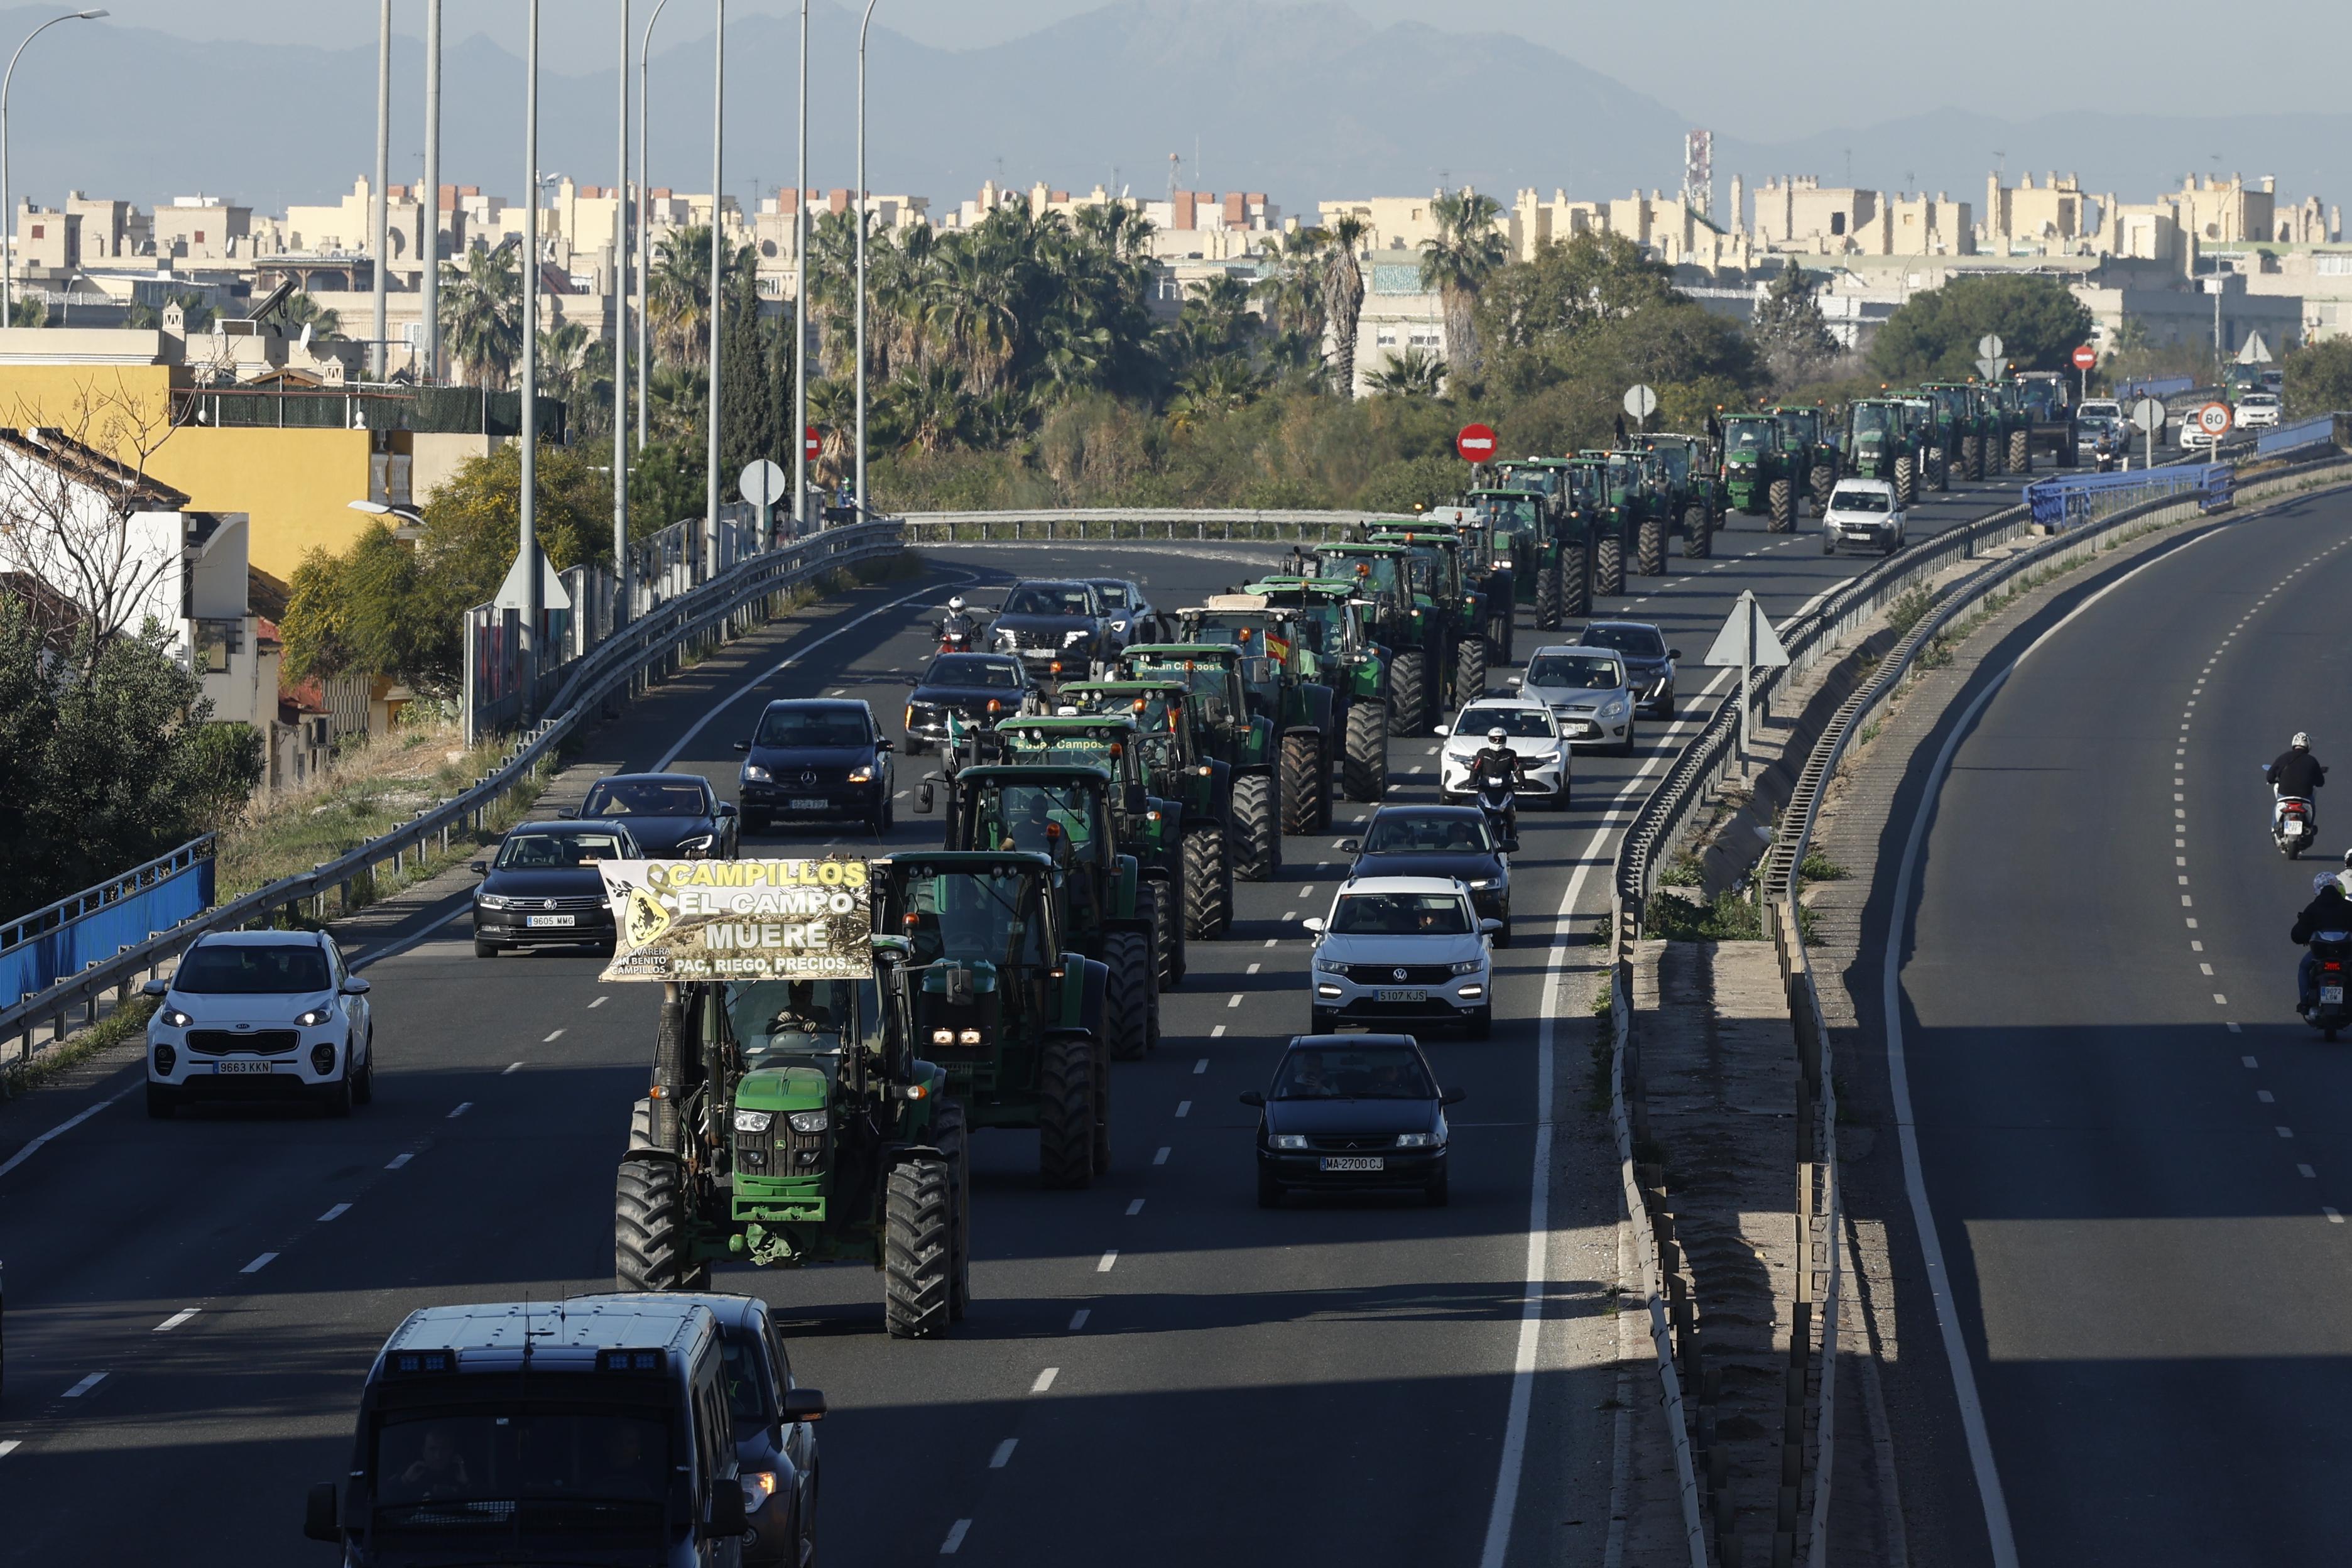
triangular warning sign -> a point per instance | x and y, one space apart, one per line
2257 352
1748 638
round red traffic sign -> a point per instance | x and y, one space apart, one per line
1476 444
2086 357
2214 419
811 444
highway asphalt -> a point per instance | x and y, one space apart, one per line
1152 1371
2137 1156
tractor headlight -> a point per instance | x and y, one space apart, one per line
754 1121
810 1121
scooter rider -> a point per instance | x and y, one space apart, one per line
2329 910
1496 758
2296 773
958 623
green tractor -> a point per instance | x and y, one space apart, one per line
1333 649
1448 596
2046 418
1556 574
1965 425
1173 747
1277 685
1111 911
1419 642
1775 462
1486 568
1232 731
1516 522
791 1121
1619 483
1686 475
1885 439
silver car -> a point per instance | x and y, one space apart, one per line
1588 691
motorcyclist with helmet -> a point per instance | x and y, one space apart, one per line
1497 759
2296 774
959 632
2330 911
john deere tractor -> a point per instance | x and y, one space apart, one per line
1884 440
1556 576
1487 567
2047 420
1965 421
1621 480
1234 734
1435 565
1065 811
1686 475
1304 712
1334 650
1809 434
1178 766
1772 463
1420 643
792 1121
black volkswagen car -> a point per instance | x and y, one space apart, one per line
1439 841
545 888
1059 629
671 815
821 757
1649 662
1348 1112
979 688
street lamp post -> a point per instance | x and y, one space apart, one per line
858 203
381 227
429 285
718 275
620 350
8 212
645 228
527 645
796 436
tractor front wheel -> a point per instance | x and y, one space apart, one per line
1907 483
1305 785
1257 829
1469 671
1066 1111
918 1249
1365 768
1127 995
1163 906
1699 532
950 1134
1409 693
1824 481
1649 548
1576 579
1783 501
1208 883
1548 598
2020 453
650 1245
1608 565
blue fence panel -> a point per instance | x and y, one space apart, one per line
2156 386
41 961
2310 433
2066 501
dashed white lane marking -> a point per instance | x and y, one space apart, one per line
1161 1157
1183 1108
2265 1096
598 1002
1078 1318
1289 915
2306 1173
1109 1258
1046 1380
1134 1207
1253 968
1306 893
2219 1000
259 1264
1269 941
1201 1067
10 1447
2285 1131
1003 1455
1217 1033
1234 1001
2207 968
511 1067
552 1038
333 1214
2251 1063
176 1319
463 1107
2333 1217
954 1543
85 1385
1338 843
397 1161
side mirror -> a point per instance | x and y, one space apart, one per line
1513 680
1136 801
803 1404
567 811
1312 923
923 797
1440 730
1252 1097
742 745
886 745
479 867
356 986
726 808
1510 845
1454 1097
726 1520
1490 927
158 989
319 1513
1674 653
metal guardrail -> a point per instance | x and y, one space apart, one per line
1199 524
39 948
614 667
2316 432
2069 500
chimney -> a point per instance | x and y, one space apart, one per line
1235 213
1181 218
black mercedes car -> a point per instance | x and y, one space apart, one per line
817 757
1439 841
671 815
979 688
1347 1112
545 888
1059 629
1649 662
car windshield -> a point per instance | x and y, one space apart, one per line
478 1469
1861 500
1049 599
1524 723
1427 833
1115 595
2258 400
794 727
1400 914
984 916
969 670
1641 642
648 798
1582 672
543 851
1354 1073
789 1017
251 969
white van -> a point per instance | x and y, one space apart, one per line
1866 514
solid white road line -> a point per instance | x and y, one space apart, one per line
62 1128
10 1447
465 903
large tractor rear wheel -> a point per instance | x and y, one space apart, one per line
1101 1061
1939 470
2021 452
1365 768
1824 481
1208 882
1783 501
1907 483
1257 829
1409 693
918 1248
1972 456
1649 548
1305 785
1469 671
1548 597
1576 579
1066 1111
1162 905
1699 532
650 1245
1127 995
1608 565
949 1134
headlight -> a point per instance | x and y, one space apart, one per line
1288 1141
1613 709
1470 993
1329 966
172 1017
699 845
493 900
1485 884
315 1017
1420 1140
758 1486
861 776
754 1121
809 1121
1119 625
1078 635
1470 966
754 774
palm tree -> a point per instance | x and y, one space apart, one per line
677 293
1291 290
481 314
301 310
1343 298
930 405
1412 373
1466 250
1224 385
1217 309
577 366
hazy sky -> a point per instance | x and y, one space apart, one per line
1762 72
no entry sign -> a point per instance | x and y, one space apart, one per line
811 444
2085 357
1476 444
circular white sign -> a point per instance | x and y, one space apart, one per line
1640 401
1989 345
2148 414
762 483
2214 419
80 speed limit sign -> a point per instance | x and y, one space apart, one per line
2214 419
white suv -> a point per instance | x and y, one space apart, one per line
261 1016
1403 949
2258 411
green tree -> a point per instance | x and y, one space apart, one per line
2319 376
481 314
301 310
1933 336
1789 327
1455 263
755 401
1415 373
1343 297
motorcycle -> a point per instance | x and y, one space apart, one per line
958 634
1498 799
2332 951
2292 826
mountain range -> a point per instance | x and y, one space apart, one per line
1304 102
